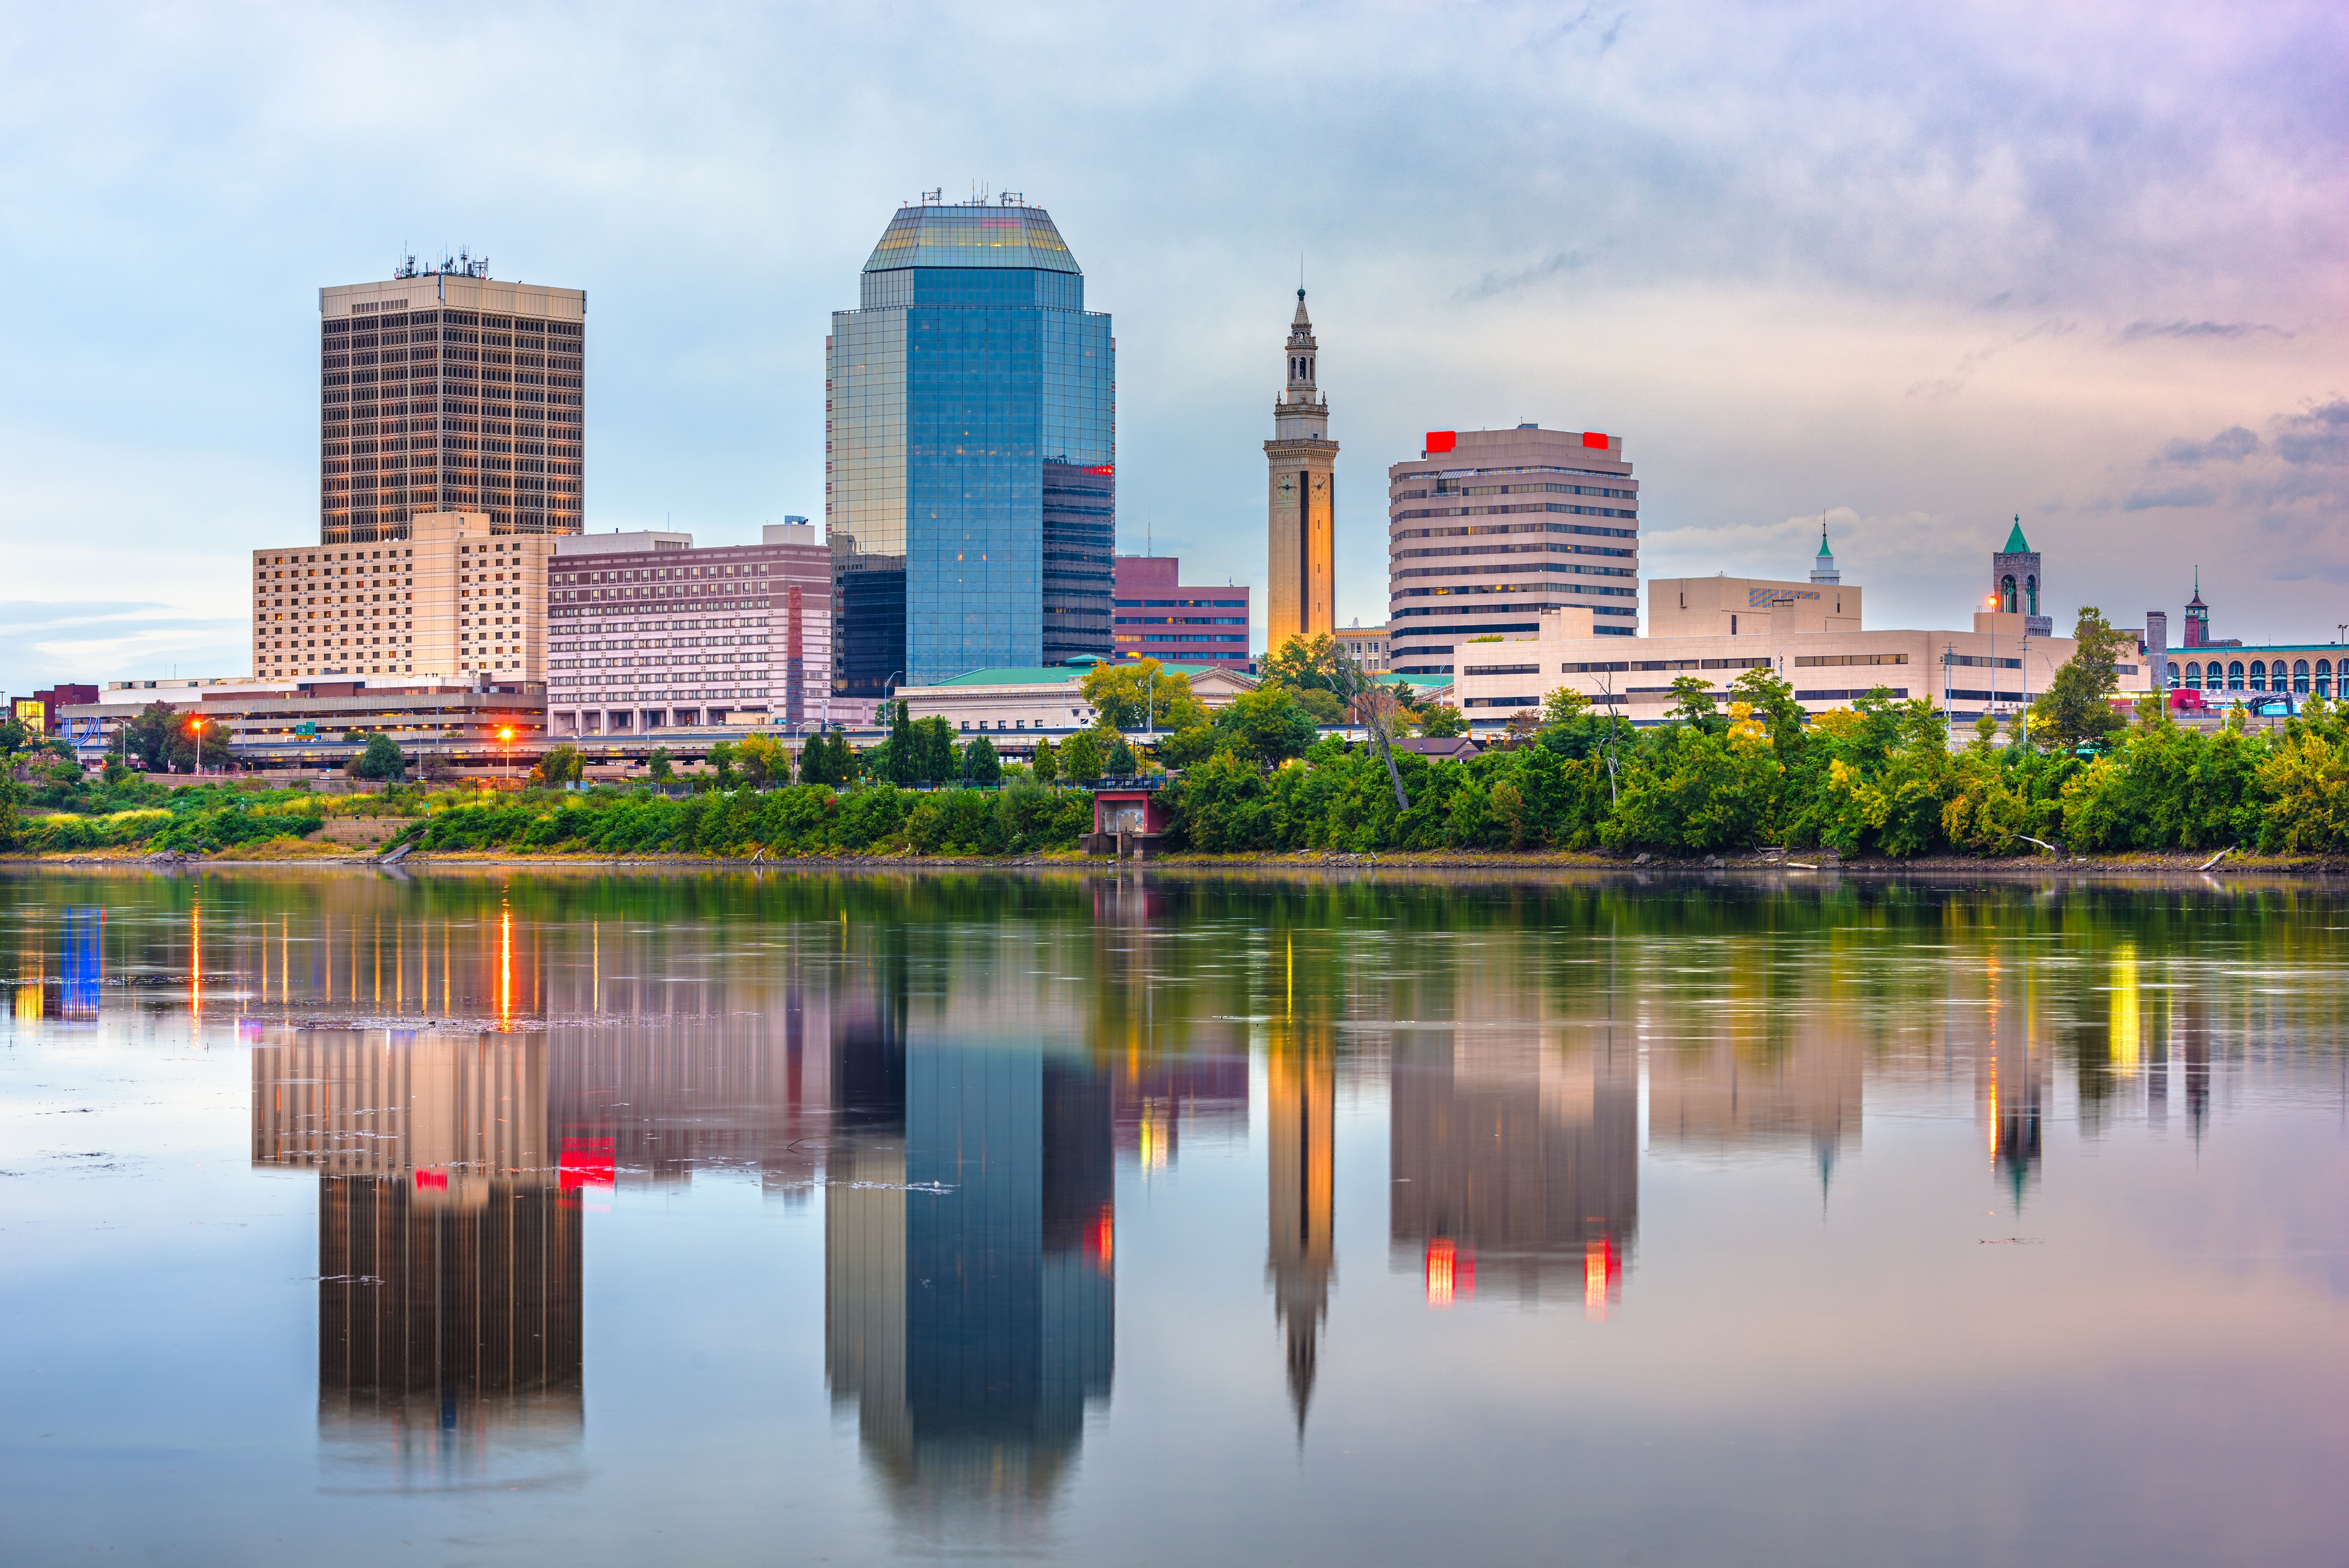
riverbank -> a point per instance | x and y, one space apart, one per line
1812 863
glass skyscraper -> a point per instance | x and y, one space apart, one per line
971 452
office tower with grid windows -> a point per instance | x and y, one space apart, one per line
971 452
447 390
1489 528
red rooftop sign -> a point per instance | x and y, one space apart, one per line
1442 440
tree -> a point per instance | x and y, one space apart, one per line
825 760
763 760
903 765
195 741
1442 720
2076 709
563 765
659 767
381 760
1693 704
1081 758
1774 707
980 765
1117 761
933 751
1267 726
1142 694
1323 705
721 761
1309 664
1046 764
1563 706
147 737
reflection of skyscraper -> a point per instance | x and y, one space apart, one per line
1157 1099
84 966
970 1241
1514 1158
448 1258
1300 1101
1753 1082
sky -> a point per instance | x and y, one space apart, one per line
1916 271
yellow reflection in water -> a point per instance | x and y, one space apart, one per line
2125 1028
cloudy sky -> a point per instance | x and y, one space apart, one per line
1919 269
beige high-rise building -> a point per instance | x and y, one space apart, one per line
1301 500
447 390
453 600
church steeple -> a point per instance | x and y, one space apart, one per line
1301 410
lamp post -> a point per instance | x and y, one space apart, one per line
507 735
197 727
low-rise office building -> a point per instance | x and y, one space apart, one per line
38 712
1047 700
1154 615
265 722
1367 644
646 632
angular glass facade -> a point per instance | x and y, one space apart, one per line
970 483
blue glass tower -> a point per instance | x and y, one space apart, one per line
970 453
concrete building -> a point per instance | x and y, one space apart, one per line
447 391
450 597
265 722
1489 529
1368 644
646 632
1725 606
971 452
1155 616
1816 643
1300 499
1044 700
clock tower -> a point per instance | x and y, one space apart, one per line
1300 499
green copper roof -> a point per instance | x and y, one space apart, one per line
2016 545
1823 543
934 234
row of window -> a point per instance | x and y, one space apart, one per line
1526 529
1179 603
2260 675
1528 506
1513 588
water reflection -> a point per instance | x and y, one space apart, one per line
449 1294
955 1077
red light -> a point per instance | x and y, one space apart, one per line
1105 468
1102 1242
1593 440
586 1162
1451 1273
1442 440
433 1180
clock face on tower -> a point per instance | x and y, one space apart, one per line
1288 491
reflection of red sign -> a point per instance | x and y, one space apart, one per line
436 1181
1602 1276
1451 1273
1100 1241
586 1162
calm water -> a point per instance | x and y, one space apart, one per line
573 1219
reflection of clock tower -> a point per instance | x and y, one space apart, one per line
1302 500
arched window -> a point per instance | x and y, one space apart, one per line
2234 675
2031 585
2006 594
2324 678
2299 674
2258 674
2194 677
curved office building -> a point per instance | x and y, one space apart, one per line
970 461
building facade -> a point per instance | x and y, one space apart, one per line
646 632
1367 644
1046 700
447 390
448 598
2290 668
38 712
1300 499
1732 606
1155 616
301 724
1489 529
971 452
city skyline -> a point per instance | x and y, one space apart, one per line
1806 265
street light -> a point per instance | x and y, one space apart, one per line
198 726
506 735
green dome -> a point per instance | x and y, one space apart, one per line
934 234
